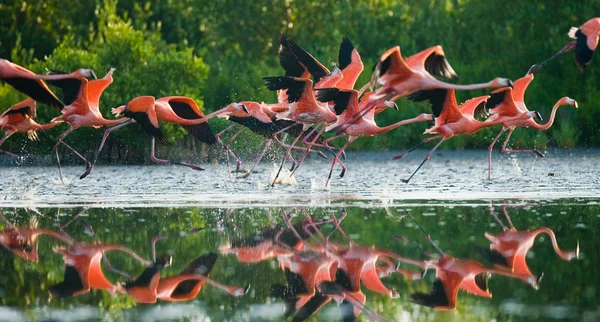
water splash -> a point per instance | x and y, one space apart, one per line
284 177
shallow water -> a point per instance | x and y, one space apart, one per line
451 199
371 177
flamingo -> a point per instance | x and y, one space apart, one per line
33 85
303 107
347 100
20 118
508 250
399 77
453 274
83 269
23 240
586 40
82 109
508 105
148 111
450 119
188 283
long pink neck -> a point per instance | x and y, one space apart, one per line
106 122
439 84
388 128
125 250
47 126
543 127
564 255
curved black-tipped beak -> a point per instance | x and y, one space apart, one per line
93 74
539 116
396 107
510 84
245 109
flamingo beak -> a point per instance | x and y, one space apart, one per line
245 109
510 84
539 116
93 74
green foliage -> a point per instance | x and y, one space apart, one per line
165 47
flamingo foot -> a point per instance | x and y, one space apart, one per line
342 173
88 170
191 166
400 156
405 180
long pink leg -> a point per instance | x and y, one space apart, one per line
490 148
162 161
337 159
400 156
426 235
505 150
300 148
260 156
427 157
60 138
287 154
104 137
507 217
309 145
104 259
8 134
226 146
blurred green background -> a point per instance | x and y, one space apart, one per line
218 51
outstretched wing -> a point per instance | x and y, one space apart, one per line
434 61
391 64
25 108
289 61
72 88
186 108
343 100
501 102
141 109
34 88
350 63
474 107
295 86
316 69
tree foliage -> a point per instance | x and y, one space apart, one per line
166 47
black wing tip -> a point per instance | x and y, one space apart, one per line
493 256
437 297
327 94
345 53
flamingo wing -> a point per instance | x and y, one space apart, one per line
290 63
502 103
203 265
392 63
141 109
316 69
24 108
474 107
25 81
96 87
519 88
72 88
295 86
255 125
70 285
186 108
350 63
443 104
584 47
438 297
344 100
314 304
434 61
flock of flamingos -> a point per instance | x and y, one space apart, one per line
316 270
306 108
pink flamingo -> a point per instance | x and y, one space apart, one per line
507 106
20 118
586 41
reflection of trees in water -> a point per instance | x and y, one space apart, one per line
456 228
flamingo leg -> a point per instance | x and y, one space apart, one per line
6 136
60 138
104 137
287 154
570 46
238 167
337 159
426 234
400 156
104 259
507 217
162 161
490 148
260 156
505 150
427 157
286 146
309 145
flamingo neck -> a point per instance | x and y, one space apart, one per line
543 127
441 84
106 122
124 249
564 255
388 128
47 126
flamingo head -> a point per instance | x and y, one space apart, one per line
391 104
502 82
425 117
568 101
238 109
535 114
85 72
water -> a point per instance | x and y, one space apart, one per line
451 200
